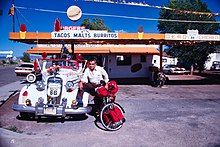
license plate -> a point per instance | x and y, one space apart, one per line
50 111
53 89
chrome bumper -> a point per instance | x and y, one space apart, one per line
31 109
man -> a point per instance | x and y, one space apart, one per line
91 79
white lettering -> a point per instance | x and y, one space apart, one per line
73 27
192 37
83 34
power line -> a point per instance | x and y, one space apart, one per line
143 4
43 10
26 19
152 19
121 16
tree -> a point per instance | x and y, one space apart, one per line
26 57
193 54
94 24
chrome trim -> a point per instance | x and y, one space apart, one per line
80 110
31 109
23 108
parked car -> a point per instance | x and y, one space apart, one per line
55 94
24 69
215 65
173 69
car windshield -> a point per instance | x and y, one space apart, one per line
26 65
61 63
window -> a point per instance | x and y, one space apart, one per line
123 60
27 65
143 58
164 60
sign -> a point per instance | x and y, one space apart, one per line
83 34
6 52
192 36
73 27
52 45
74 13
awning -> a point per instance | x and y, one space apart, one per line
98 50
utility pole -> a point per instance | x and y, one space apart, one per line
13 17
161 57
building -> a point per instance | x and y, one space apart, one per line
166 59
124 55
120 61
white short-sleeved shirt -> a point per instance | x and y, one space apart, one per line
95 76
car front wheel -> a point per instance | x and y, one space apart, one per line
26 115
169 72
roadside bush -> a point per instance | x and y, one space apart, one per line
14 129
3 62
13 62
26 57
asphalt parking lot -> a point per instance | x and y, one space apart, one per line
175 115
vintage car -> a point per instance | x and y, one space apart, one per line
55 93
215 65
173 69
24 69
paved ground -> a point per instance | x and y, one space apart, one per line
176 115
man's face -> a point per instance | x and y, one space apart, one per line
92 65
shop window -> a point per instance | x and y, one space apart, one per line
123 60
143 58
164 60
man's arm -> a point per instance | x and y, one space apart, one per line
84 79
105 75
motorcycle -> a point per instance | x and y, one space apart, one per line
159 79
111 114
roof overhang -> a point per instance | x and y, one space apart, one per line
105 49
123 38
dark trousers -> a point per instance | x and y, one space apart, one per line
90 88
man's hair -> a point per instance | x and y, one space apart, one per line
93 59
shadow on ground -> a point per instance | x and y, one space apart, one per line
207 79
51 119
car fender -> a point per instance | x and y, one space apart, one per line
70 96
32 94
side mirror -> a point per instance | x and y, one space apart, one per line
31 78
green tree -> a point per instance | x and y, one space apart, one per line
26 57
94 24
192 54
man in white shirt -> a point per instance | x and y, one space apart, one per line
91 79
94 73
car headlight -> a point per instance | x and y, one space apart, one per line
28 102
40 102
69 86
40 85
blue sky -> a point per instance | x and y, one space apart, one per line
43 21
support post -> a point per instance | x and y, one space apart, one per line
13 17
72 49
161 55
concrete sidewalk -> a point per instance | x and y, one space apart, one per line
184 77
8 90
